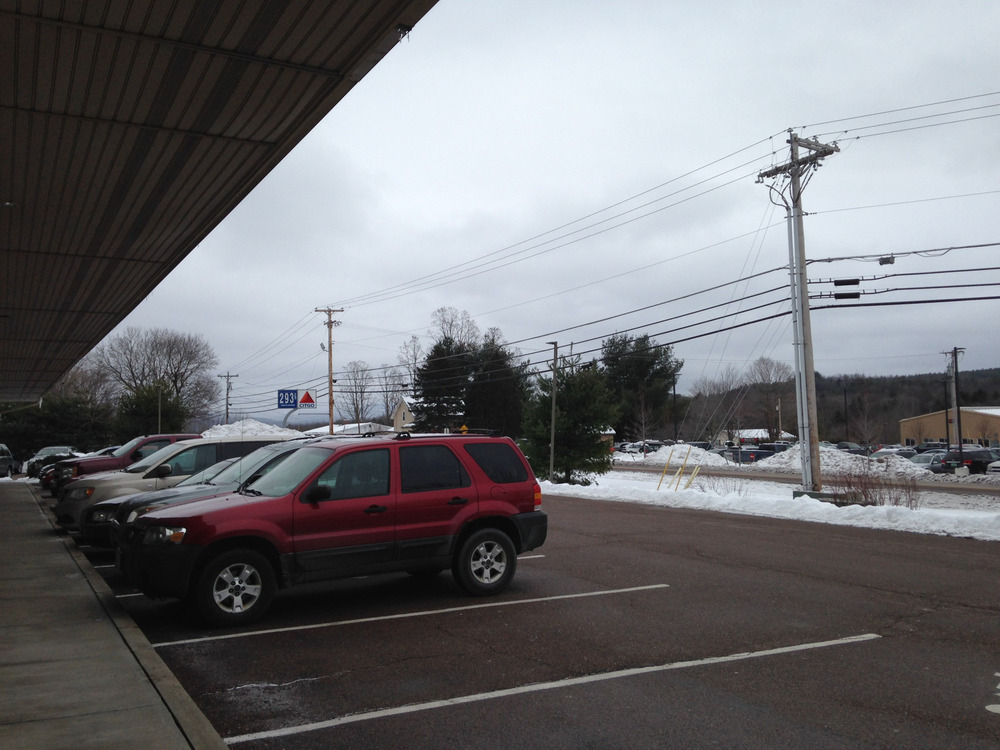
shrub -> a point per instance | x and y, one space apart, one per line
874 488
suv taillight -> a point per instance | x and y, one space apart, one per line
538 497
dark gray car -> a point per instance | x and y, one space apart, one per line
97 522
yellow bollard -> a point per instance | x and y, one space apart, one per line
683 466
693 475
665 467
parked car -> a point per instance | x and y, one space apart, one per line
852 448
339 508
977 459
747 454
993 468
9 466
929 445
650 446
49 455
775 447
933 461
164 468
100 522
95 520
899 452
134 450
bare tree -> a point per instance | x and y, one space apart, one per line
768 380
411 354
181 363
449 323
717 403
392 386
88 381
358 390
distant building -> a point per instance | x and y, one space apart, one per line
980 424
403 416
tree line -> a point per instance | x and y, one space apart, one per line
141 381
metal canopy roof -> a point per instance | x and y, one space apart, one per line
129 130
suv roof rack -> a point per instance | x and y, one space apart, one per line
479 432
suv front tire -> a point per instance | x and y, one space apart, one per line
235 587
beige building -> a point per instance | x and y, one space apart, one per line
980 424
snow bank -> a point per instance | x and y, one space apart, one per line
771 500
832 462
248 428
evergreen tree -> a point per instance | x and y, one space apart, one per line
585 408
441 385
640 374
498 389
148 410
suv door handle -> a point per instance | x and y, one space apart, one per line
458 501
376 509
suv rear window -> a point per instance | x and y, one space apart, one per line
430 467
499 461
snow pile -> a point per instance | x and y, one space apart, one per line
832 462
751 497
249 428
673 455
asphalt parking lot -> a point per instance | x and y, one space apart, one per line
632 626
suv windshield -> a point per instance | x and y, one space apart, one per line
127 448
261 460
291 472
154 458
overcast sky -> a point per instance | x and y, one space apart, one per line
546 165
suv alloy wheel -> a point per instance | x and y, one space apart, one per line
486 562
235 587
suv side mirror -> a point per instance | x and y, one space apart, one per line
316 494
163 470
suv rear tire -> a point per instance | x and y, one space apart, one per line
485 562
235 587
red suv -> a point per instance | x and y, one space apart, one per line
343 508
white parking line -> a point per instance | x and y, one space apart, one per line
538 687
404 615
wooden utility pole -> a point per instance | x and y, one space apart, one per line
330 323
805 374
552 426
229 387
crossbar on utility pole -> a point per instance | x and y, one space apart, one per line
805 374
330 323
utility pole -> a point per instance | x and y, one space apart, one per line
229 387
330 323
796 169
552 428
954 397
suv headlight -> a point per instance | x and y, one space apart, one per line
80 493
164 535
101 515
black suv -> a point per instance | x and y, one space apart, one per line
975 457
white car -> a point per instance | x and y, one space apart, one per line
993 468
